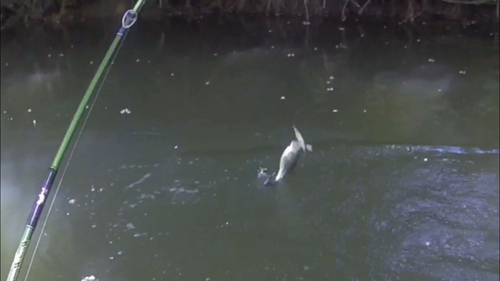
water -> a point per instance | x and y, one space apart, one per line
402 183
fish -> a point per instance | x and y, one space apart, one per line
288 160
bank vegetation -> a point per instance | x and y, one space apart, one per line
411 11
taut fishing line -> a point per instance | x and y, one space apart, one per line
70 157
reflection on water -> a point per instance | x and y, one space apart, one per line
403 182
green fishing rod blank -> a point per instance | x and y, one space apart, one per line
128 20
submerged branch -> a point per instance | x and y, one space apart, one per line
343 10
364 6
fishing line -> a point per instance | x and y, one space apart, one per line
70 157
129 18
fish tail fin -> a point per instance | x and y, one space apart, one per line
309 147
299 138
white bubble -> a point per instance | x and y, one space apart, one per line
72 201
125 111
335 111
29 109
207 83
282 97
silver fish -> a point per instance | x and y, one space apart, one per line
289 158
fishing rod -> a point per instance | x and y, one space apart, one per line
129 18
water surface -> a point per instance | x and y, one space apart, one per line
402 183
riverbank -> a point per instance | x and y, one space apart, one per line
411 11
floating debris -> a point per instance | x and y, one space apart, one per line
34 122
331 77
172 74
207 83
72 201
91 62
335 111
125 111
462 72
432 60
29 109
330 89
91 277
282 97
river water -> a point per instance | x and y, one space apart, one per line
402 183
